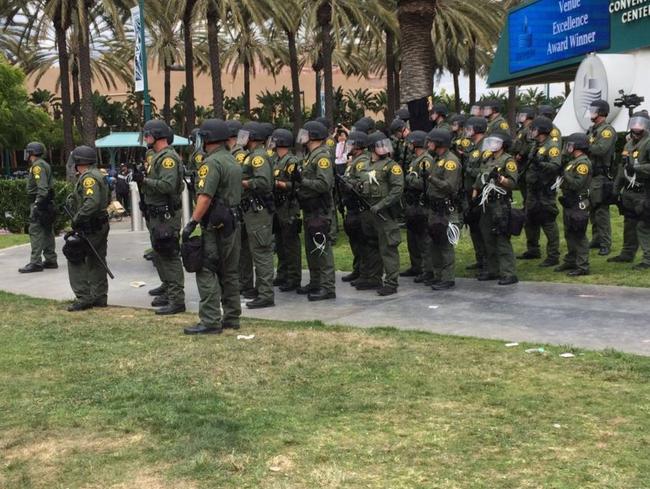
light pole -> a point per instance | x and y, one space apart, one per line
143 54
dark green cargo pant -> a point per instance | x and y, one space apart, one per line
443 255
259 230
246 275
41 239
384 238
500 258
287 244
320 261
578 247
218 281
643 233
601 225
88 278
169 268
534 228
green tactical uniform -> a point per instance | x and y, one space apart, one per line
472 163
382 185
353 222
193 164
602 144
500 258
461 145
246 275
287 238
556 133
541 206
632 193
218 280
315 197
257 207
443 186
575 200
635 199
498 124
443 124
330 143
162 188
415 212
40 189
521 147
90 199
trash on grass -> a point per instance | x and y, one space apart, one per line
434 307
510 345
245 337
567 355
557 425
535 350
137 284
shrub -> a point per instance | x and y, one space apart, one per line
14 205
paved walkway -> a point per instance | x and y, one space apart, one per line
594 317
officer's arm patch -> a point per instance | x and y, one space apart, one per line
240 157
555 133
269 153
359 166
487 154
89 182
450 165
257 161
36 170
396 170
511 166
582 169
541 151
504 125
476 153
607 134
168 163
203 171
291 168
324 163
554 152
330 142
465 143
199 158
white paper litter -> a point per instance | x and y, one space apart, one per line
567 355
510 345
434 307
535 350
245 337
557 425
137 284
586 296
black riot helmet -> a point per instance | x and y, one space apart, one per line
365 124
541 125
356 140
598 108
440 109
576 141
281 138
84 155
491 106
325 121
417 138
214 131
475 125
312 131
403 114
525 114
546 111
234 126
33 149
156 128
251 131
397 125
440 137
457 122
267 129
379 143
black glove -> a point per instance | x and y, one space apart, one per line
629 166
41 204
494 174
296 176
138 176
188 230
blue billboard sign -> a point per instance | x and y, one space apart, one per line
547 31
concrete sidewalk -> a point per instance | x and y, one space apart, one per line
594 317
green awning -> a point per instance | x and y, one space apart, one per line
131 140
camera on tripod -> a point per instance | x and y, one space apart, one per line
630 102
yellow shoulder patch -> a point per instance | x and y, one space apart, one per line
330 142
582 169
203 171
504 125
324 163
555 133
36 170
511 166
199 158
541 151
257 161
487 154
554 152
359 166
291 168
476 153
450 165
89 182
396 170
168 163
240 157
606 133
269 153
465 143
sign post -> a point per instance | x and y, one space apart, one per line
140 58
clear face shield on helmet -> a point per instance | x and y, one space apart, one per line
271 143
487 111
475 111
521 118
383 147
591 113
533 132
455 127
243 136
569 148
492 144
302 137
26 155
468 132
349 147
638 125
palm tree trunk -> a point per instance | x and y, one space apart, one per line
167 112
64 71
247 88
390 74
397 101
456 75
324 15
416 19
190 111
215 62
76 97
295 81
318 106
471 71
567 89
512 106
88 119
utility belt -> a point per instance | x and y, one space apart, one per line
165 211
601 171
92 225
496 197
440 205
637 189
412 197
316 204
281 198
572 200
258 203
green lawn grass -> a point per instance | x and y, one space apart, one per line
602 273
7 240
118 398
